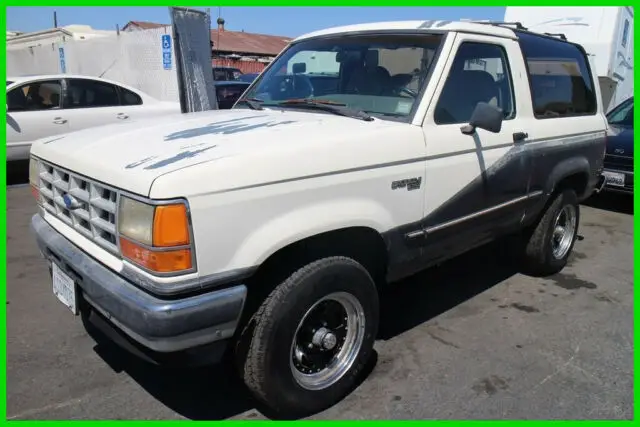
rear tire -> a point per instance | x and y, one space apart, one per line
312 337
548 245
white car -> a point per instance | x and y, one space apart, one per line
49 105
265 230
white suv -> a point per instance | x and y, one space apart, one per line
360 156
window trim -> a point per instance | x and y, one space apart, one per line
69 80
499 45
589 72
40 81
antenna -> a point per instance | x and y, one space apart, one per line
55 19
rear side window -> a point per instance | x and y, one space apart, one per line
559 76
83 93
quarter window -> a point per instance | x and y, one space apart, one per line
35 96
480 73
559 75
130 98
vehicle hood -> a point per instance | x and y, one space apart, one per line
620 141
130 156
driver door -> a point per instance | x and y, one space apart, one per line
475 184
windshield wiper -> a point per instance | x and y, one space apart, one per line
330 106
253 103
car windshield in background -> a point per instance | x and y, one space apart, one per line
379 74
622 114
9 82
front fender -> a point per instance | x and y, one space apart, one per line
308 221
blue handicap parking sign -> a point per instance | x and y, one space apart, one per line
166 51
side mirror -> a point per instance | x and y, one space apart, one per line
299 67
485 117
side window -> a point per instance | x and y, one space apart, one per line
35 96
625 33
559 75
83 93
480 73
129 98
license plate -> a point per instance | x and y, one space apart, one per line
64 288
615 179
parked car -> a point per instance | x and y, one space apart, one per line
226 73
618 162
228 92
249 78
49 105
263 232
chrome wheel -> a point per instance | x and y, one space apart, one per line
564 229
327 341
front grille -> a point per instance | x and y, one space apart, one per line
95 218
621 163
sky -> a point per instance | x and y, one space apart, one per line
282 21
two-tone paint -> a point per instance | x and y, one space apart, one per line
258 181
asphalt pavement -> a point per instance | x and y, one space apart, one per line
472 339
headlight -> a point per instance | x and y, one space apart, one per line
33 171
34 178
136 220
156 238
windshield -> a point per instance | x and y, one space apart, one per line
9 82
378 74
622 114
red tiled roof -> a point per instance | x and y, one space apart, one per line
241 42
144 25
232 41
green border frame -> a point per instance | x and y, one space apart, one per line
297 3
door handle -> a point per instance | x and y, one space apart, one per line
122 116
520 136
59 121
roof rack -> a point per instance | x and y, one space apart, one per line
559 35
518 25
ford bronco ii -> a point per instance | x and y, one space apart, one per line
361 155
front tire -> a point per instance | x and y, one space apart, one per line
312 337
549 245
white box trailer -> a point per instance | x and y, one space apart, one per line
606 33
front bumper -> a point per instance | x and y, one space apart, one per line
158 325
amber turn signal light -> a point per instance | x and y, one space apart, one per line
159 261
170 226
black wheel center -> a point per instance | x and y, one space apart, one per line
320 337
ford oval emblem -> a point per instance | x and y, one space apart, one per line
619 151
71 202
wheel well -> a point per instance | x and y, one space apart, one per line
577 182
364 245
